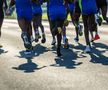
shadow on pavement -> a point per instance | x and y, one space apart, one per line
39 49
79 49
97 56
79 46
2 51
30 66
101 45
67 60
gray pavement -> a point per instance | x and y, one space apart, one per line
44 71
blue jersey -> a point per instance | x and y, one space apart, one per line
24 9
71 7
88 6
56 2
57 9
36 8
23 3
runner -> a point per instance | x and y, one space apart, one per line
24 17
89 9
102 6
57 14
69 5
50 25
2 14
78 26
73 9
37 21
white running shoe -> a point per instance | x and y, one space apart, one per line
32 39
80 27
64 39
87 49
53 42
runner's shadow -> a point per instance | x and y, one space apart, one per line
2 51
79 49
97 56
39 49
101 45
68 60
28 67
79 46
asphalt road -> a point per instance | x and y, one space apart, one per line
42 70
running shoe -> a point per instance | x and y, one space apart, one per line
26 40
87 49
53 42
97 37
32 39
80 27
76 40
58 52
43 38
36 36
98 20
66 44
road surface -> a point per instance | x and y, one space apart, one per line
44 71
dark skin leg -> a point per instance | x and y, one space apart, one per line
59 38
50 25
55 25
26 30
25 26
29 29
93 26
76 21
86 30
41 26
64 27
104 13
89 26
1 22
36 22
22 25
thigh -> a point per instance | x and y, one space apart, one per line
22 24
91 22
85 21
53 24
101 3
37 19
1 13
1 22
60 23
